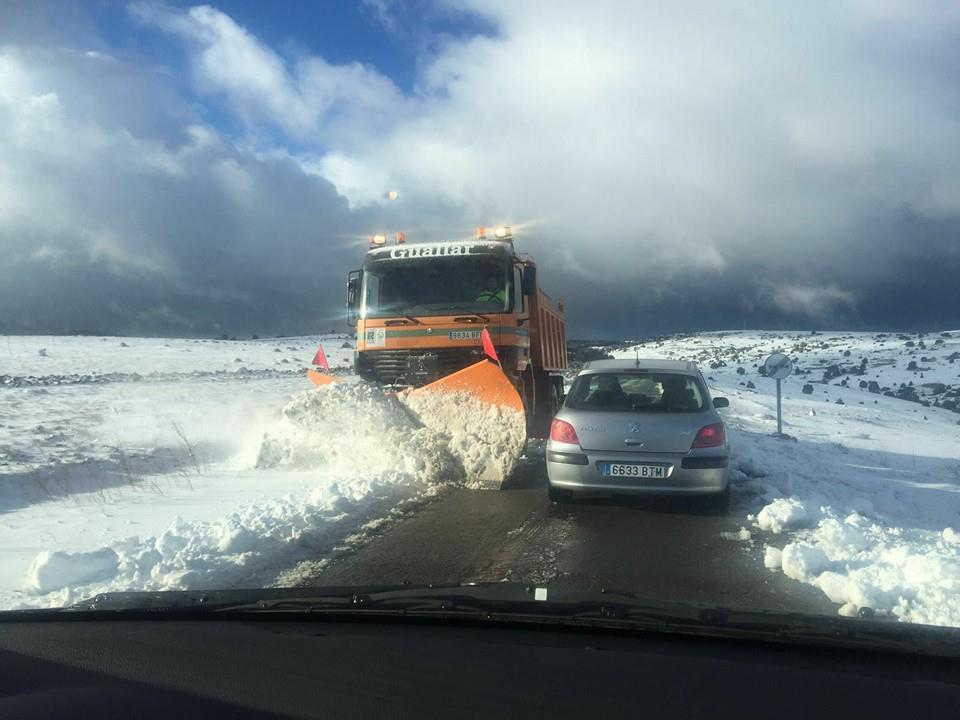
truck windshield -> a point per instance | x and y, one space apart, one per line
436 286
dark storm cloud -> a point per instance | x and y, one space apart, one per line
129 215
676 167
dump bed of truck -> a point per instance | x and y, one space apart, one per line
548 335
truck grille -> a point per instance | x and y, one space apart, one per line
412 367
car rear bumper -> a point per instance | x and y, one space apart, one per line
690 474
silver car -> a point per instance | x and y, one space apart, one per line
639 427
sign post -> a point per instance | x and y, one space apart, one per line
778 366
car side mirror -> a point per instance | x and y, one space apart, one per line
529 283
353 297
721 402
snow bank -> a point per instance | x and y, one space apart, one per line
772 558
871 542
54 570
454 437
365 453
352 426
782 514
487 439
801 561
909 573
866 533
244 547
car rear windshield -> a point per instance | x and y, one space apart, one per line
633 391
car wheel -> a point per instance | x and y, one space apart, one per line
557 495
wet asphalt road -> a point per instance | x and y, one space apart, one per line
663 549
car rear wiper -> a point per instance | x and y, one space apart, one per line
512 603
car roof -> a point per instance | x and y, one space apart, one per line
684 366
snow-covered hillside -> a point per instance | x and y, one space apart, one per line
864 502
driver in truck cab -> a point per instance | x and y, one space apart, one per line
493 292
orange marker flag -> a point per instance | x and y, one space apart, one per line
488 347
321 358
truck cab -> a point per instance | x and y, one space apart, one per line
419 310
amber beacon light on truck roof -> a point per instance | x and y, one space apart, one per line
501 232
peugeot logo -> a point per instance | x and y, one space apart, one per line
634 427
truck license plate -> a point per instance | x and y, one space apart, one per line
634 470
464 334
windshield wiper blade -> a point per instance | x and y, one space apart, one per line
461 308
516 603
410 318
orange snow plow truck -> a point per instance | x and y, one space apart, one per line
420 311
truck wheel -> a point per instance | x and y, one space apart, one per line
555 401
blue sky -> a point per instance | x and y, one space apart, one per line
342 31
394 37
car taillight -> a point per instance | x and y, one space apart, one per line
710 436
562 431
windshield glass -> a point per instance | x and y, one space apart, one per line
436 286
348 294
637 392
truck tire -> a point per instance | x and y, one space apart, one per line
555 400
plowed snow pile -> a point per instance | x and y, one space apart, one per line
486 439
364 453
347 427
450 436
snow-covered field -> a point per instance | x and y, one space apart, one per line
166 464
864 502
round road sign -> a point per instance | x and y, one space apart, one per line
777 366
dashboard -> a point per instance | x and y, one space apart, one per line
340 668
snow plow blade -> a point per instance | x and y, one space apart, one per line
484 380
320 379
490 432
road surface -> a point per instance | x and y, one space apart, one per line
672 550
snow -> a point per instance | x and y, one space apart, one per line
53 570
782 514
61 359
801 561
772 558
864 501
488 439
192 475
103 398
244 546
151 463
